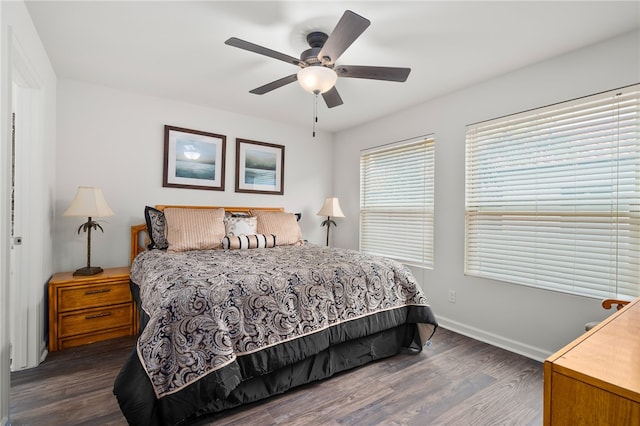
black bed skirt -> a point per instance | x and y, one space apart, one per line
141 407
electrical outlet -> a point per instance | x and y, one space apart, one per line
452 296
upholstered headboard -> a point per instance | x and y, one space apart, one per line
139 232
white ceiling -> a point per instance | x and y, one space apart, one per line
176 49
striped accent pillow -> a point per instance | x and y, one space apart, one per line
194 229
244 242
281 224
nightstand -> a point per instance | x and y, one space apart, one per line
87 309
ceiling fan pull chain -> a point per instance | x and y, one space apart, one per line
315 114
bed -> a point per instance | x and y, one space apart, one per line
250 310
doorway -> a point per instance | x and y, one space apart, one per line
26 229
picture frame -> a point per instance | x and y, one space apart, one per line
193 159
259 167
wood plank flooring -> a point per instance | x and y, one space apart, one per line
456 381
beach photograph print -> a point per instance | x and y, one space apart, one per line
193 159
259 167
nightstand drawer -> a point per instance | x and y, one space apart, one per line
91 320
82 297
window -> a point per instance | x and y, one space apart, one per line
396 201
553 196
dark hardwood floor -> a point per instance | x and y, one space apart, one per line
456 381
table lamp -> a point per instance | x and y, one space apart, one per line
89 201
330 208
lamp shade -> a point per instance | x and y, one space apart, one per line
317 78
89 202
331 207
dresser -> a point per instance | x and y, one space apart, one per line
87 309
595 380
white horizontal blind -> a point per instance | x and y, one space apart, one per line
396 201
553 196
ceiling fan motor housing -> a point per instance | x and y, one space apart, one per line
316 40
310 56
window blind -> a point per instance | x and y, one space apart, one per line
396 201
553 196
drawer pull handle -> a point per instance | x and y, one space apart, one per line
102 290
100 315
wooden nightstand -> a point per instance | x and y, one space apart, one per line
87 309
595 380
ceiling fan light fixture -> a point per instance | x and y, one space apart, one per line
317 79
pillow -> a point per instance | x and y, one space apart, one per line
241 225
155 228
231 213
244 242
281 224
194 229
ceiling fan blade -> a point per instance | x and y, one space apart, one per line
373 73
347 30
251 47
332 98
274 84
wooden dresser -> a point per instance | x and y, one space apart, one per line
595 380
86 309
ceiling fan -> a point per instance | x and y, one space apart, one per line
318 70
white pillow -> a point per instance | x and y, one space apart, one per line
241 225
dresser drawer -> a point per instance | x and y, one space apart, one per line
98 336
92 320
88 296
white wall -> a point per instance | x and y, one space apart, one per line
115 140
527 320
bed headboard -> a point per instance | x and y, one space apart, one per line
139 234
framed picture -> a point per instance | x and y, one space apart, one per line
259 167
193 159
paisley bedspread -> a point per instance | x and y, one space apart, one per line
208 309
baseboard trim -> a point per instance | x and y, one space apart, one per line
494 339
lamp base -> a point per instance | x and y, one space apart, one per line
91 270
